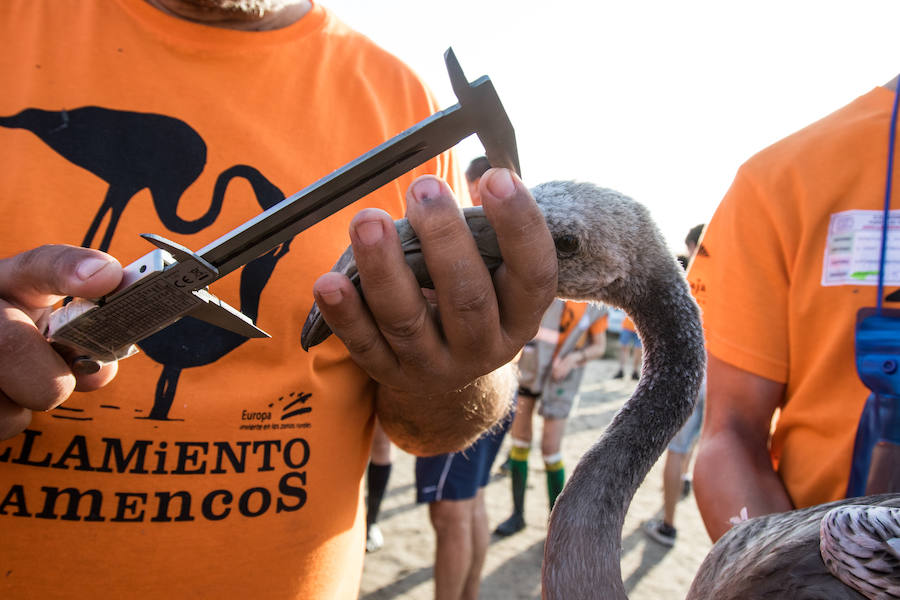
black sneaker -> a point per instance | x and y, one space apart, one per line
635 375
514 524
660 532
619 374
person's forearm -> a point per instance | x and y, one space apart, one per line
728 479
429 425
590 352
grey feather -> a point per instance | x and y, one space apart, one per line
859 544
778 556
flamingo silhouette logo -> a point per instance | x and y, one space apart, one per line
131 151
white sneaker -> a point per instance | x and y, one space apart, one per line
374 538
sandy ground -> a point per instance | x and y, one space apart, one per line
403 568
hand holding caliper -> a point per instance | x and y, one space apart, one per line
33 375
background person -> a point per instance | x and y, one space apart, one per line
630 350
551 369
378 474
478 167
452 484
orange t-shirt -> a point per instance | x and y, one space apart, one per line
572 313
779 279
212 466
627 324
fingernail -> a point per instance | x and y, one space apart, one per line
426 189
370 232
90 267
331 297
501 184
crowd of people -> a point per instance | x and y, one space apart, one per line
208 456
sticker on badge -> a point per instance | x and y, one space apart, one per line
853 248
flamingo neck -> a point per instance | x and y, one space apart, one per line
583 545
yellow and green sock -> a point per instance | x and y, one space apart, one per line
556 476
518 470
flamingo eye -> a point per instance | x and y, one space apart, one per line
566 245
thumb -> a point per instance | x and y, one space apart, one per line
40 277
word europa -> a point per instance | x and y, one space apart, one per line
246 415
286 458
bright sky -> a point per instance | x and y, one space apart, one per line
660 100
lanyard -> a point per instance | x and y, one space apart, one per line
889 179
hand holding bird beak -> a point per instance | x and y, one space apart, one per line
480 321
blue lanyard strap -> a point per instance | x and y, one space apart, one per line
882 259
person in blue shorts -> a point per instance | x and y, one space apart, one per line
453 486
629 348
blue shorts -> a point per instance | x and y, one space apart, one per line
688 433
629 338
459 475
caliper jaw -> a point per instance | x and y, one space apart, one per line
156 290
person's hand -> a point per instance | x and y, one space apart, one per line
34 376
563 366
478 324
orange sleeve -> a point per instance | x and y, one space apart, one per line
743 292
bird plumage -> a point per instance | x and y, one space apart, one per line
860 544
